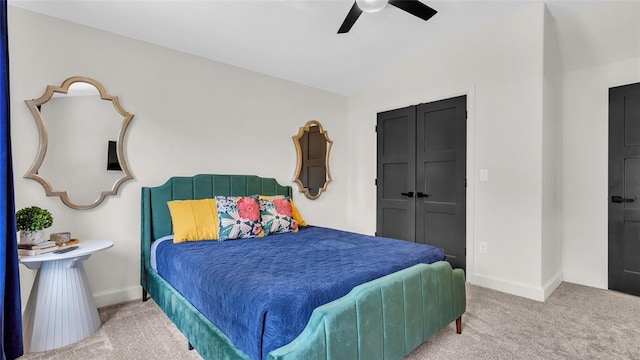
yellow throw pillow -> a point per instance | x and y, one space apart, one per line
296 213
194 220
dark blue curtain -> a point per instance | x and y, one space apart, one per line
10 317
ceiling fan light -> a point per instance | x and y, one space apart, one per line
371 6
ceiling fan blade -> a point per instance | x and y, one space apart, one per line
351 18
414 7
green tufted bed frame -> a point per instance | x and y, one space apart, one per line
383 319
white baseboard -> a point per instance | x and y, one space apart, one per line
106 298
550 286
538 293
531 292
586 279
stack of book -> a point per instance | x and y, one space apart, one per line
36 249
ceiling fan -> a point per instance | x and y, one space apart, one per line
413 7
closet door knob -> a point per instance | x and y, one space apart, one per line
407 194
422 195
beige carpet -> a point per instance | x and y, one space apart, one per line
576 322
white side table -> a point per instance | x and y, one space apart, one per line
60 310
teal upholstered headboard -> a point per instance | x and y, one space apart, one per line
156 220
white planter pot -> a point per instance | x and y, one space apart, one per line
31 237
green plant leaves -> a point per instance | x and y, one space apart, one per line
33 219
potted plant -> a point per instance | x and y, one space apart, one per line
31 221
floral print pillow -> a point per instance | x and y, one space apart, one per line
277 216
239 217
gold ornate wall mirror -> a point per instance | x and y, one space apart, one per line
312 170
81 154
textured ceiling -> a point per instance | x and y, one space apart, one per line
296 39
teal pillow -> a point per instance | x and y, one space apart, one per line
239 217
277 216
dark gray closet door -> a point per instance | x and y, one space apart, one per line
624 189
421 193
396 174
441 177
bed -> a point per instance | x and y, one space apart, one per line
380 312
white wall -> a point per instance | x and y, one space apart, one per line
500 68
551 251
191 116
585 174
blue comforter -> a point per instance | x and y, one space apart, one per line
261 292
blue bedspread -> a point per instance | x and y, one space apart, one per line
261 292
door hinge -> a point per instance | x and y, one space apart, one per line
375 181
376 128
465 183
466 114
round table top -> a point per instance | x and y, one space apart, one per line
85 247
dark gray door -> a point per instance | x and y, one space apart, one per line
624 189
421 176
395 213
441 177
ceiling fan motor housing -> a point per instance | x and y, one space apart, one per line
413 7
371 6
